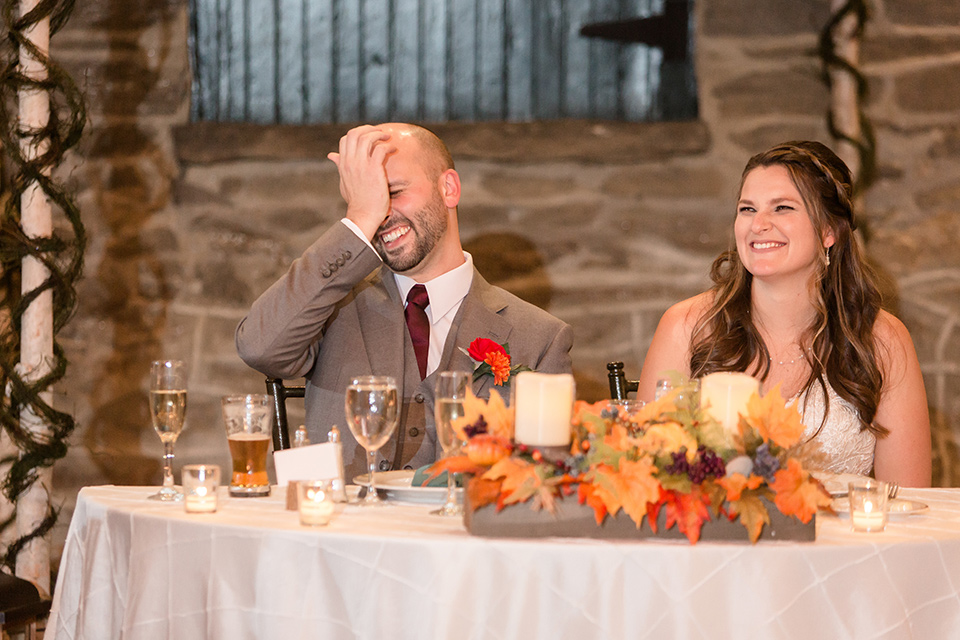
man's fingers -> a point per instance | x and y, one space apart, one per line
334 157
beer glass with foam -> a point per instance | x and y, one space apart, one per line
249 423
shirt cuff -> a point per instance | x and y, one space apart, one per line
350 224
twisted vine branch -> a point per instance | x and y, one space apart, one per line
63 257
865 144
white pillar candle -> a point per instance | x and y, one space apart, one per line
543 405
724 396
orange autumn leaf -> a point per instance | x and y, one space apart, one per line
666 438
735 483
607 488
773 420
753 514
688 511
638 487
499 365
519 480
453 464
482 492
797 494
495 413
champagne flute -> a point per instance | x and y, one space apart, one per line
373 411
448 406
168 408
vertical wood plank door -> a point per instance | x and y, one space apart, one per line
317 61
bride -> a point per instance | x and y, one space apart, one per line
796 305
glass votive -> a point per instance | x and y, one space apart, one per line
868 505
316 502
664 386
200 482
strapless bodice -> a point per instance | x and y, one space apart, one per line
841 446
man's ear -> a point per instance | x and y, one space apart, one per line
449 184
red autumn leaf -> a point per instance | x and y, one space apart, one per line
688 511
587 493
481 347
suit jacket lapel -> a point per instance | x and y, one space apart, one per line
383 327
478 317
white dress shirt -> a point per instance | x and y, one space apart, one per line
446 293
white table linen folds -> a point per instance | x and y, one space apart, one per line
134 568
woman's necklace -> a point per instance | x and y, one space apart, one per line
784 363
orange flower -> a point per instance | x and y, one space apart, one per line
500 365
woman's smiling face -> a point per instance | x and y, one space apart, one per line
774 231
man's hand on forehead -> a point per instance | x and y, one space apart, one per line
363 178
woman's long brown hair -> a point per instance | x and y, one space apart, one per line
846 300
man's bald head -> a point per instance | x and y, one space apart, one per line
433 153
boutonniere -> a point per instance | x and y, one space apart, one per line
492 358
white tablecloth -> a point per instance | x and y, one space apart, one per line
133 568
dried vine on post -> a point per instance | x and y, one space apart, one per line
839 52
33 152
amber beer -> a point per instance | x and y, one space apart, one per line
249 454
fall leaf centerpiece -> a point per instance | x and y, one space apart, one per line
671 455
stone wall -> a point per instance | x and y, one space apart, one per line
605 225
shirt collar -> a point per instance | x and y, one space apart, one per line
445 291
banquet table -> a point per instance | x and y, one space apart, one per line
136 568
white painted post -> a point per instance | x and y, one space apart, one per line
36 340
844 101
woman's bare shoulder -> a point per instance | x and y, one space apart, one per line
685 314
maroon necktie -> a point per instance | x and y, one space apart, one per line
419 326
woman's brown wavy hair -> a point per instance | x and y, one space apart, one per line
843 350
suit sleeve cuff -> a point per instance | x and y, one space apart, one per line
356 230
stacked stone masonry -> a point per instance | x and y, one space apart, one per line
603 224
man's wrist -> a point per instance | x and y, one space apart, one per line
350 224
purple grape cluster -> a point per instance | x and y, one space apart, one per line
765 464
707 464
477 428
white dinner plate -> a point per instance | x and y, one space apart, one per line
895 508
396 485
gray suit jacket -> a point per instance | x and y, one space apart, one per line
337 314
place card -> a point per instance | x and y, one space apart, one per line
315 461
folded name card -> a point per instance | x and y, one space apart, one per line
313 462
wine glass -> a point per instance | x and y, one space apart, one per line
451 389
168 408
373 410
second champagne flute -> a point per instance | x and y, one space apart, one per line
168 409
372 408
447 407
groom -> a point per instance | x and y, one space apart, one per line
338 313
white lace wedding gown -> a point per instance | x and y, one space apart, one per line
840 447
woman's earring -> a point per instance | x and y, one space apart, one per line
828 256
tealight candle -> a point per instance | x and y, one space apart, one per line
543 404
868 505
200 482
316 502
724 396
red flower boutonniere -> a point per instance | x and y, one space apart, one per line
492 358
